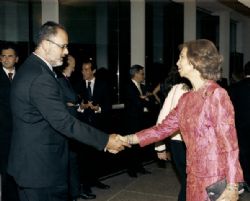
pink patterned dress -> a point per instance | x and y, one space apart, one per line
206 121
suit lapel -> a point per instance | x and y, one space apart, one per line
3 75
135 88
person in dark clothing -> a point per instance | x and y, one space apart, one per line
137 106
94 108
9 58
240 96
42 124
63 74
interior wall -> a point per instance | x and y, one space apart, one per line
14 24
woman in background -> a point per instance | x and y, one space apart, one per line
177 146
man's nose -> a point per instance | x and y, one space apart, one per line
66 51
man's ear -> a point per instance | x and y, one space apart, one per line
17 59
45 45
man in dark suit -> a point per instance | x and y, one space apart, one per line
39 154
95 107
9 58
95 96
240 95
137 106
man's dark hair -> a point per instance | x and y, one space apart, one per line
47 30
247 68
91 62
9 45
135 69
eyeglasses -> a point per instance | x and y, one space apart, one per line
65 46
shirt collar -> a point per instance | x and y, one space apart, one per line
92 81
50 67
10 71
136 83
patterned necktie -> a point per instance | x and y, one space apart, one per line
10 75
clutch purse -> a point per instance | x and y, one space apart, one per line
216 189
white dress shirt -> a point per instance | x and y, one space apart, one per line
7 71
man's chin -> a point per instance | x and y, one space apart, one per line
58 64
180 73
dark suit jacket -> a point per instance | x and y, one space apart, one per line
5 119
134 107
100 96
70 96
41 126
68 92
240 96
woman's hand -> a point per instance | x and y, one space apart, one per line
230 193
130 139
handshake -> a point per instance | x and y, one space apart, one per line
117 143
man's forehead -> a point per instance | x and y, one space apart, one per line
61 34
86 66
8 50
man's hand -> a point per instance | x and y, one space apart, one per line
164 155
69 104
144 98
84 106
94 107
115 144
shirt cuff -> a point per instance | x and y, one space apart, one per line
99 111
80 110
160 147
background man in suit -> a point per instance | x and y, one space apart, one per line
9 58
95 96
95 107
39 151
240 95
137 106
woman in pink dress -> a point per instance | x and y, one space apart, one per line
205 117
